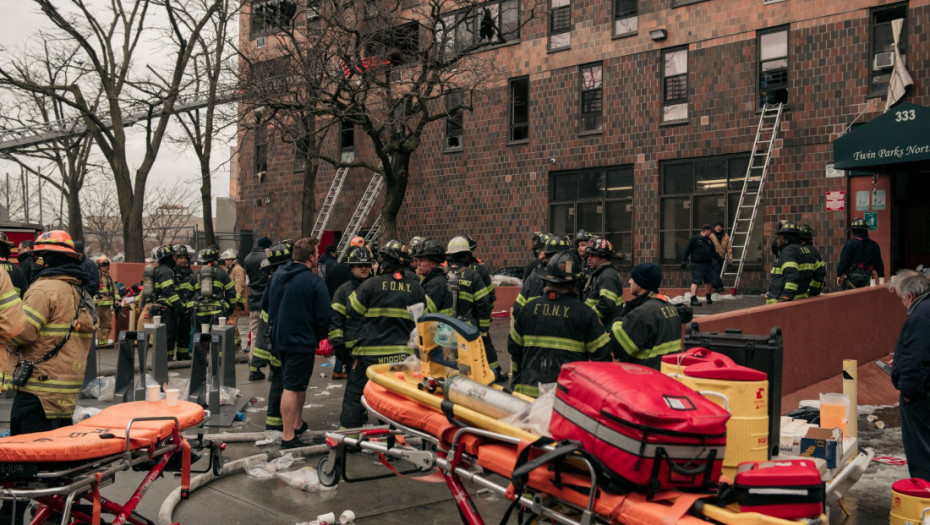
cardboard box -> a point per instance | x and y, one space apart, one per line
824 443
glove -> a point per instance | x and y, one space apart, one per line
342 353
783 299
684 265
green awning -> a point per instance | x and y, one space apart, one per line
900 135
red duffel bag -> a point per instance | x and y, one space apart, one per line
646 427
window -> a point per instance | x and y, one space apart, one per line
882 57
261 151
598 200
675 85
270 16
269 77
313 10
489 24
347 136
560 24
625 20
519 109
454 113
702 191
773 67
399 44
592 97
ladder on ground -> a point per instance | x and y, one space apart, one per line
751 196
326 210
361 211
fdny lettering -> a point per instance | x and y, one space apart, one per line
669 311
551 310
464 283
395 286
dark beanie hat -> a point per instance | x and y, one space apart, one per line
648 276
264 242
718 223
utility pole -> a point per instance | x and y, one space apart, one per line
25 185
41 208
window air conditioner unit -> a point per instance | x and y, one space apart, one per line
883 61
260 42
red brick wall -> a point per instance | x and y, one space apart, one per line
499 192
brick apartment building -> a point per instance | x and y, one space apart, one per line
636 120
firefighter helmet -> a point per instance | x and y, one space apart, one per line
5 240
359 256
279 253
229 253
163 251
414 245
103 260
358 240
582 236
557 243
859 224
394 249
56 241
539 240
210 254
472 243
431 249
788 228
458 244
563 267
601 248
180 250
807 233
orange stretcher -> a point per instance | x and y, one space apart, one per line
59 468
453 442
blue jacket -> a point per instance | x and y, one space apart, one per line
910 371
298 309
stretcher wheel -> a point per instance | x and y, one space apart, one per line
328 471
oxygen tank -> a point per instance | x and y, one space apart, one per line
484 399
205 278
148 283
454 286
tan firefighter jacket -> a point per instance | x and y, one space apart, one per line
237 274
50 305
11 313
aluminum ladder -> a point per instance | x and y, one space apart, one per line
361 211
751 196
326 210
373 232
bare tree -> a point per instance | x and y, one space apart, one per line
213 79
108 36
170 213
68 154
101 217
387 67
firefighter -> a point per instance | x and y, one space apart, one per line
790 271
340 272
27 261
17 277
381 305
107 301
860 260
532 284
554 328
429 259
215 293
240 281
648 327
163 299
12 319
277 255
478 265
604 289
413 246
471 297
258 281
539 242
184 277
343 331
818 267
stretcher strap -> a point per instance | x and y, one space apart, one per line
185 468
434 477
680 508
95 520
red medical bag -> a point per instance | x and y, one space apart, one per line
789 489
645 427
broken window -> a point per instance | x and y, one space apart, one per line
270 16
773 67
454 125
519 109
882 57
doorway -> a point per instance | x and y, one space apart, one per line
910 242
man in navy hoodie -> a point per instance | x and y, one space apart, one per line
298 313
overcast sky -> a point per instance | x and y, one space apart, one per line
20 23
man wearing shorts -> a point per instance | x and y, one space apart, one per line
298 313
701 251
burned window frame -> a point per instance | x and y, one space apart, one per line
519 110
261 24
466 30
880 19
771 89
